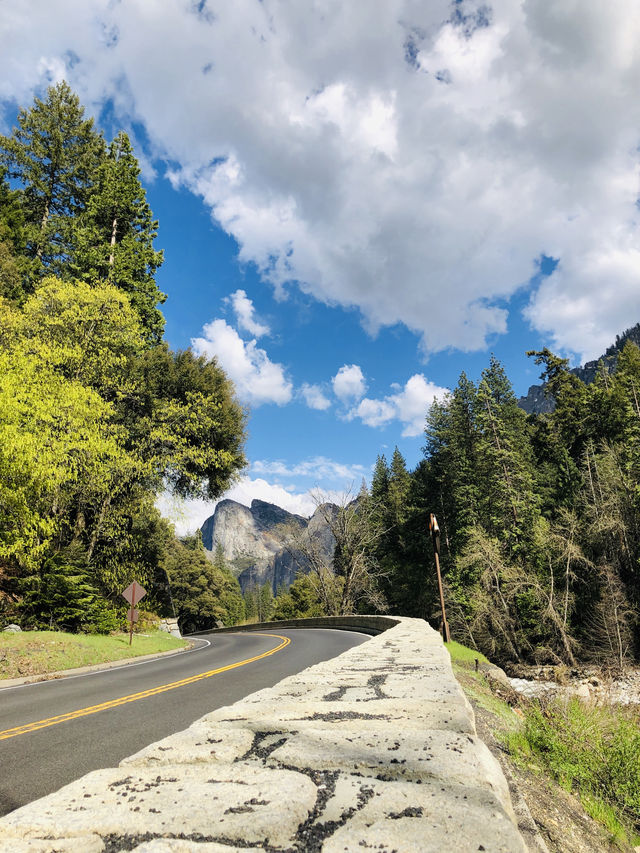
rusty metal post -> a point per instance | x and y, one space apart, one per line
434 530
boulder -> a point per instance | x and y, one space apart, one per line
170 626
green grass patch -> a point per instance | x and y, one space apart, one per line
463 654
477 689
593 752
39 652
474 684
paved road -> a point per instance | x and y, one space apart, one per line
47 754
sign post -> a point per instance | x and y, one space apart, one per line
434 530
133 594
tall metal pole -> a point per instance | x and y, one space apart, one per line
434 530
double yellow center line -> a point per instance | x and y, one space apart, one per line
134 697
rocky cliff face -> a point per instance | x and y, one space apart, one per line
536 401
260 542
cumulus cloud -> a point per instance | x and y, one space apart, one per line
245 313
319 468
315 397
257 379
409 405
349 383
414 163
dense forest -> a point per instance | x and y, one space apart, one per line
97 414
539 516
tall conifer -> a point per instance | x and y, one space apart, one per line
505 466
53 153
115 238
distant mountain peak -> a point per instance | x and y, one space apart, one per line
537 401
258 542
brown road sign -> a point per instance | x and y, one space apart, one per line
134 593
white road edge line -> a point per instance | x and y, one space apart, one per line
106 669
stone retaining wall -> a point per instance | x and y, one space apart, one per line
365 624
373 750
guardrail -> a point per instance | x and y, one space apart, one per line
365 624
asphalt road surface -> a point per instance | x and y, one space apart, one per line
139 704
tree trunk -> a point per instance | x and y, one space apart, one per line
43 225
45 215
114 231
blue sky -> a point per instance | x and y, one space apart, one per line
356 206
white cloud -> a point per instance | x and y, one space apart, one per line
409 405
409 163
249 489
349 383
245 312
565 309
319 468
374 413
187 516
257 379
315 397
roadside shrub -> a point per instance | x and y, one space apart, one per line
102 618
59 594
147 621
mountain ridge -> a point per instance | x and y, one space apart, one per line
265 543
537 402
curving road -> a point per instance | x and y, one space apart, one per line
55 731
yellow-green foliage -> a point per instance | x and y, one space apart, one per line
54 437
58 440
97 415
88 334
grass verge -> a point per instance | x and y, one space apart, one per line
474 683
40 652
591 752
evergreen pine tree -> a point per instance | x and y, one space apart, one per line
54 154
509 507
60 595
265 603
15 267
399 484
461 461
380 480
115 238
569 396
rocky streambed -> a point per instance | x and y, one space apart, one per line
591 684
